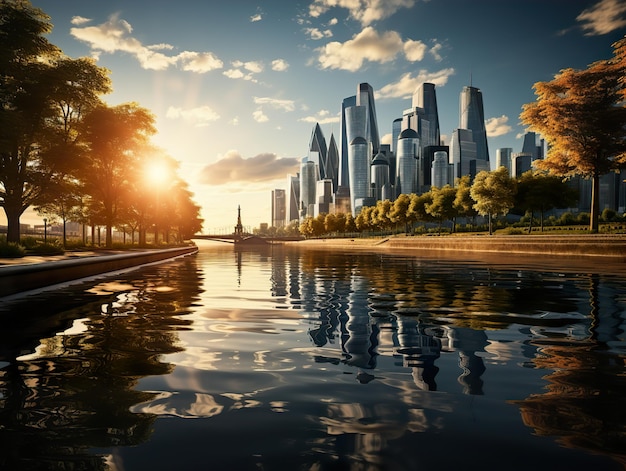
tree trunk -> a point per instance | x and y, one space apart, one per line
541 219
13 223
490 226
595 204
530 225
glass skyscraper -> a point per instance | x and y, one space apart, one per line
406 162
472 117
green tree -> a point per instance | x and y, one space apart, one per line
539 191
582 116
382 214
463 202
116 137
417 208
442 205
25 106
494 193
400 210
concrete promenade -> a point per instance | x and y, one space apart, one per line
33 272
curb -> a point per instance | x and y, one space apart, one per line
19 278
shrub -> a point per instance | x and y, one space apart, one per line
47 249
29 242
11 250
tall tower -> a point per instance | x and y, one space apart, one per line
472 117
425 98
363 143
407 162
332 162
318 144
344 179
279 208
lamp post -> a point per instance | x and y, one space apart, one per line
45 230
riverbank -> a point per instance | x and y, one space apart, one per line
28 273
580 245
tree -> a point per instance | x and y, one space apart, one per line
116 137
463 202
537 190
494 193
442 205
24 106
417 208
400 210
582 116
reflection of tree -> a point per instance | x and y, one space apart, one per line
76 391
585 405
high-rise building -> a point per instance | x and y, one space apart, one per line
309 174
440 169
279 208
379 176
463 154
407 162
344 179
520 163
318 144
332 163
425 99
293 198
503 158
472 117
363 143
324 195
532 146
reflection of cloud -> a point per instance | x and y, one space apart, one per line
364 11
232 167
199 117
407 84
604 17
497 126
115 36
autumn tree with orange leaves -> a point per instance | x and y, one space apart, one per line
582 116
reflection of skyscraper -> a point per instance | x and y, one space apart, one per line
472 117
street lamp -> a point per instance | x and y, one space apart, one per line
45 230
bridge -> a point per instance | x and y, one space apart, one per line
236 238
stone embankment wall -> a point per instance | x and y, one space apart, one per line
613 246
19 278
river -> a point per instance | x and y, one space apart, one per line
287 359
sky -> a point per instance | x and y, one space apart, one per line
237 86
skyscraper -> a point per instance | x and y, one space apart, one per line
363 143
309 174
472 117
318 144
332 163
408 143
425 99
344 179
293 198
503 158
379 175
278 208
440 169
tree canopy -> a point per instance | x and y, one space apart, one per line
582 116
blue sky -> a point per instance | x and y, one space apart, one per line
237 86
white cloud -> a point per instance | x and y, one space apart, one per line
414 50
234 73
115 36
284 105
497 126
604 17
234 121
249 69
333 22
405 87
322 117
255 18
259 116
367 45
386 139
434 51
316 33
364 11
79 20
280 65
199 117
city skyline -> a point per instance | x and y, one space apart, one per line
236 89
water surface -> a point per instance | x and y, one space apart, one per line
284 359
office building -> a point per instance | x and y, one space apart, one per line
379 176
292 212
472 117
440 169
279 208
407 162
317 144
332 162
520 163
309 174
503 158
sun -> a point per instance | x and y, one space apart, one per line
157 173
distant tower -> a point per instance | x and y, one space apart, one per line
293 198
379 175
408 144
279 208
472 117
440 169
332 163
344 179
238 227
318 144
426 99
503 158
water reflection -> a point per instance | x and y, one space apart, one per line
75 389
279 359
